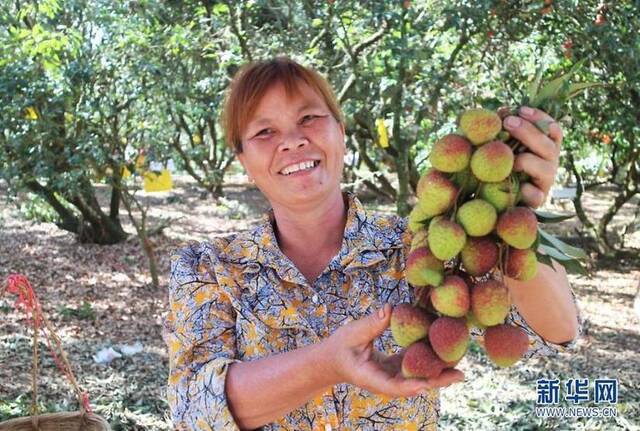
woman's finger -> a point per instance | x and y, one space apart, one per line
542 172
446 378
539 143
378 381
534 115
532 196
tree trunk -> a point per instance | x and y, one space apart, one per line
91 225
402 160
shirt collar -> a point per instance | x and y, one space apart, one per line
364 239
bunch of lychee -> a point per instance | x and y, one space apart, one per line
469 231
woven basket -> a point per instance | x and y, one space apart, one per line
82 420
64 421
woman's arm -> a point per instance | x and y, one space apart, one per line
546 303
262 391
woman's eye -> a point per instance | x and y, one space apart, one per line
264 132
308 118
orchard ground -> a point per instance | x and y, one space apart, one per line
99 296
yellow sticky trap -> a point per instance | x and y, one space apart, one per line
140 163
125 173
30 113
382 133
154 182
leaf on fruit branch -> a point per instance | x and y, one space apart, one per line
548 239
547 217
545 252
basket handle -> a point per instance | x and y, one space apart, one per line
19 285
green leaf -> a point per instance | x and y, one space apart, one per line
547 217
575 89
554 252
567 249
552 88
534 86
570 264
574 267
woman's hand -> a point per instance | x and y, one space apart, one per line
541 162
355 361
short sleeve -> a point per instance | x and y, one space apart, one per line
538 346
199 331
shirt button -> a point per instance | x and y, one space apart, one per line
314 299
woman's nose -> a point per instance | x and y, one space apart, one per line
293 141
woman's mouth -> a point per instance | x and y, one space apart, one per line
299 168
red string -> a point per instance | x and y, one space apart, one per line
19 285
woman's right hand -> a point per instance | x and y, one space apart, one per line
354 360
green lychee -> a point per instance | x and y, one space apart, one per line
480 125
472 321
479 255
490 302
451 153
409 324
449 338
421 362
446 238
502 195
423 268
417 219
465 181
436 193
492 162
518 227
452 297
505 344
521 264
477 217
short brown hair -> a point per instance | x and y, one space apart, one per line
254 79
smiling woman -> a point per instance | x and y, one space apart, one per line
285 327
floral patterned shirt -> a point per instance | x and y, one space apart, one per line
239 298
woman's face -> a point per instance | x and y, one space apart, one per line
293 147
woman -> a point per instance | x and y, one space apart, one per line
285 326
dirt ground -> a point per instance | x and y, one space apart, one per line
99 296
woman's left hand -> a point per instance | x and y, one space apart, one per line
542 160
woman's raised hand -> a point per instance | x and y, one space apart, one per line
354 360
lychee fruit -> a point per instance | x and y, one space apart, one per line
409 324
423 298
421 362
518 227
521 264
436 193
505 344
501 195
492 162
477 217
449 338
452 297
479 255
417 219
472 321
423 268
446 238
465 181
490 302
480 125
451 153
